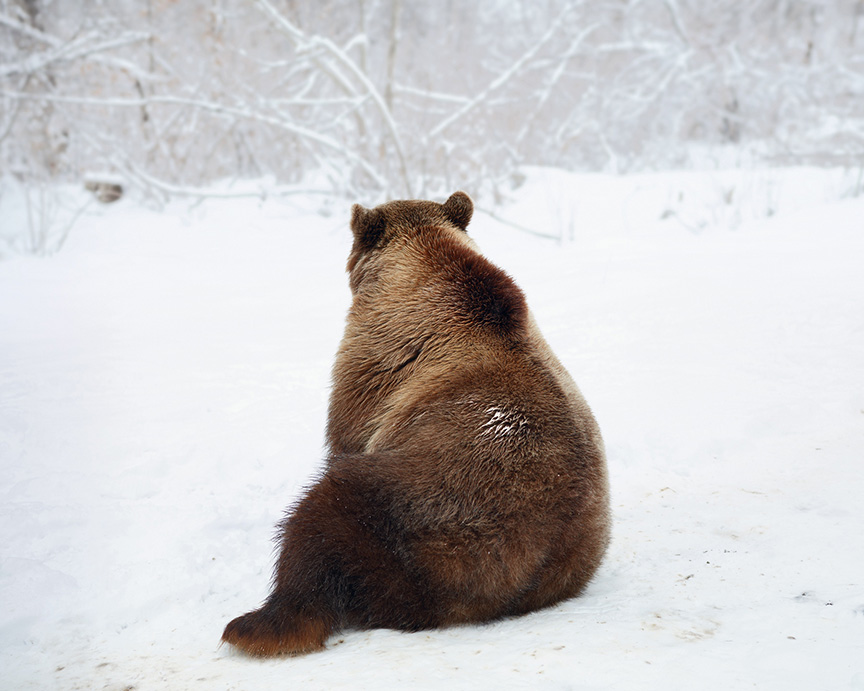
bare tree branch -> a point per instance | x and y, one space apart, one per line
502 78
305 42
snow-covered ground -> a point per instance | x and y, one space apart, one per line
163 390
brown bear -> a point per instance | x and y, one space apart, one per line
466 478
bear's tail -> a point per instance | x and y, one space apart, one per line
274 630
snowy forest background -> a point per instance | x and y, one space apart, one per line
386 98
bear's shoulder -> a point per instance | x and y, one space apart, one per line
472 288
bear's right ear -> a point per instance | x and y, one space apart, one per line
368 225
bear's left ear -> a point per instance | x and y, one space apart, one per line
459 209
368 225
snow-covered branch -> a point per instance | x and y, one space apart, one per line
220 109
81 48
504 77
306 43
89 46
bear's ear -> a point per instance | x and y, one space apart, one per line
459 209
368 225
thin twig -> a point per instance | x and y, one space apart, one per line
525 229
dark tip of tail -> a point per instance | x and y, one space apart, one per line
269 631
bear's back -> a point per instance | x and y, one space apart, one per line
443 362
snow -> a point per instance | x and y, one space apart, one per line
163 391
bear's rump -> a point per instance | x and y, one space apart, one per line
480 549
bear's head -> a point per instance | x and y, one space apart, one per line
374 229
413 269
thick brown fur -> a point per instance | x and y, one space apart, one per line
466 478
